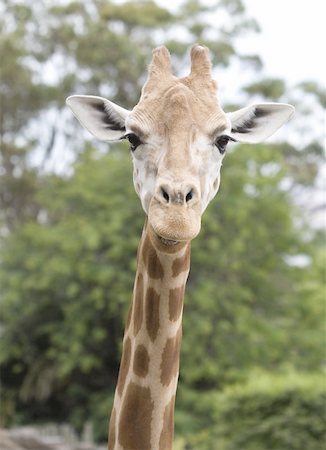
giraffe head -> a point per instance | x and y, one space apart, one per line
178 135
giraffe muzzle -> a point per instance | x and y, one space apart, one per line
176 221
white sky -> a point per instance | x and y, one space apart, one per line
292 38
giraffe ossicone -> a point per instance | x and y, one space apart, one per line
178 135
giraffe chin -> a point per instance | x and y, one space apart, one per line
163 245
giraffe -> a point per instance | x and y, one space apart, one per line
178 134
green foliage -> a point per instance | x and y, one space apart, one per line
269 88
68 242
21 100
67 282
65 301
264 412
271 412
144 14
242 286
311 87
18 185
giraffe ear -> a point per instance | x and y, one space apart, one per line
104 119
257 122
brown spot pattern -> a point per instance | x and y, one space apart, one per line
138 303
124 366
112 436
135 420
181 264
166 439
170 358
151 260
152 313
141 361
176 302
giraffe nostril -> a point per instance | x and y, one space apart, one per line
165 195
189 196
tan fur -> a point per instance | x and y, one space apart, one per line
170 359
112 434
178 112
151 351
138 308
166 439
124 367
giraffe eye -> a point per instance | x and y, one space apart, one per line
133 140
221 143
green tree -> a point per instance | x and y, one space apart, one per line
67 282
72 288
21 100
69 240
246 291
268 412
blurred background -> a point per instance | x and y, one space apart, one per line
253 355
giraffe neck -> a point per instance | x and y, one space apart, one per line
143 412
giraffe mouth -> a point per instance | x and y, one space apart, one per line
167 241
